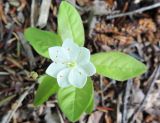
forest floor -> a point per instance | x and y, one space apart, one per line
136 33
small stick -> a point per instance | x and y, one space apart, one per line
134 12
32 13
7 118
101 86
3 73
156 73
127 93
44 13
119 115
60 116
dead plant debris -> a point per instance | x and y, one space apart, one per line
135 101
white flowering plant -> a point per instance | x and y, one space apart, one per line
72 64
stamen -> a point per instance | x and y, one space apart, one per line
71 64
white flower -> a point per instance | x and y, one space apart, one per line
71 64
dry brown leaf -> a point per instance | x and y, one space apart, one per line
147 25
84 2
110 2
149 119
103 28
124 40
131 29
104 39
2 15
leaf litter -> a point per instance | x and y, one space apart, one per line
134 101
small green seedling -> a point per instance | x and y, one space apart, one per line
72 64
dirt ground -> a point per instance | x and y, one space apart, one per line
122 25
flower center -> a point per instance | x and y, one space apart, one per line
71 64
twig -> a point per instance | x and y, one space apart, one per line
101 86
22 6
119 102
9 115
1 31
44 13
32 13
156 73
2 14
6 99
60 116
127 93
9 35
134 12
3 73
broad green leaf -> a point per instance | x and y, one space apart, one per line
42 40
48 86
74 101
70 25
117 65
90 106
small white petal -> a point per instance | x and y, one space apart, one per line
83 56
55 68
62 78
77 77
72 48
58 54
89 68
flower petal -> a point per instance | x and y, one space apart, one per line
77 77
62 78
89 68
83 56
54 68
58 54
72 48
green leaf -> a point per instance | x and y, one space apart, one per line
70 25
74 101
117 65
48 86
42 40
90 106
